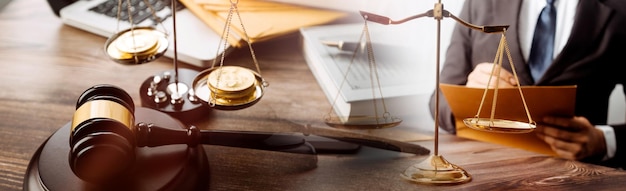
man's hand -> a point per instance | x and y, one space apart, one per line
479 77
572 138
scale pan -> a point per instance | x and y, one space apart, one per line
228 99
499 125
363 122
136 46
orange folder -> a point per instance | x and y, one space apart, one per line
541 101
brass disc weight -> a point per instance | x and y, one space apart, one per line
229 87
137 45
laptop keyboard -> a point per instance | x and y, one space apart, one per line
139 10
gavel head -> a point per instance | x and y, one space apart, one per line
102 137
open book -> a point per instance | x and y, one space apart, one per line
541 101
262 20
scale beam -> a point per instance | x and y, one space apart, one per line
431 13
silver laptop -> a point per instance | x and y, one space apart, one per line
196 43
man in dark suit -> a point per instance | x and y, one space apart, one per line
587 52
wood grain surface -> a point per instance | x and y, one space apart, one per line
45 65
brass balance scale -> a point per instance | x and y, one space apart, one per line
435 169
183 93
165 98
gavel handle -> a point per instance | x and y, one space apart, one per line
149 135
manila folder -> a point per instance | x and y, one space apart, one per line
540 100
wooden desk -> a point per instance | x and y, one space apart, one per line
46 66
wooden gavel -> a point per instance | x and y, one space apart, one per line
104 136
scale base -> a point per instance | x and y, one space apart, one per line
436 170
158 94
179 167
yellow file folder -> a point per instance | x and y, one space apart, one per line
262 20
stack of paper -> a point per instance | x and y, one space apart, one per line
261 20
349 85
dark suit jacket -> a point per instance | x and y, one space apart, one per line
592 59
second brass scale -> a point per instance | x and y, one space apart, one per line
435 169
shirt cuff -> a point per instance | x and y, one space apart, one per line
609 137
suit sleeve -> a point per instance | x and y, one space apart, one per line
455 69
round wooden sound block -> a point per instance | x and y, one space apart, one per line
171 167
